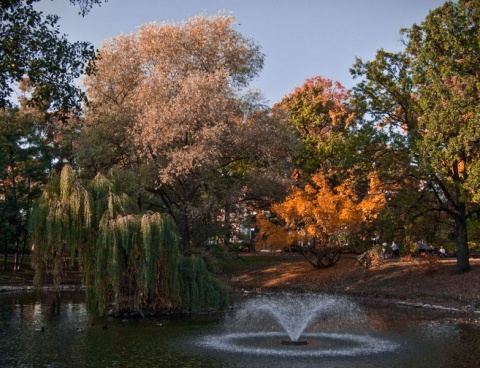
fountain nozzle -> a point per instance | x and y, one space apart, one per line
295 343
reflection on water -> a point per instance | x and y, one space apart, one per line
73 338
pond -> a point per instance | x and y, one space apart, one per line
46 329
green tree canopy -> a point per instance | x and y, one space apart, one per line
428 97
32 47
24 166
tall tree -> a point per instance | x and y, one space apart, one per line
431 91
46 66
173 97
447 75
23 172
338 146
319 112
335 140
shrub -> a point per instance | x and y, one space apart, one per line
370 258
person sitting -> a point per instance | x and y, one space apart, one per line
442 252
432 251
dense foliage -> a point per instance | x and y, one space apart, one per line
39 69
129 260
30 147
32 48
170 101
329 215
427 97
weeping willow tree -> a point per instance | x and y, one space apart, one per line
130 261
136 260
198 291
62 221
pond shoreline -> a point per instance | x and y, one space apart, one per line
404 283
12 289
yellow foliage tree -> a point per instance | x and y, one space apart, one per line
327 214
271 236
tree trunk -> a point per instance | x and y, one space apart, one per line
461 244
24 248
226 237
5 256
16 258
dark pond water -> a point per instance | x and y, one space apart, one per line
73 338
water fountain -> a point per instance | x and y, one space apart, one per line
339 334
298 325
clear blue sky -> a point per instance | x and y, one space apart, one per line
300 38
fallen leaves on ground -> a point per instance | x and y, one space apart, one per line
412 280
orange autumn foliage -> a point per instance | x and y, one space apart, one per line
271 236
322 212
